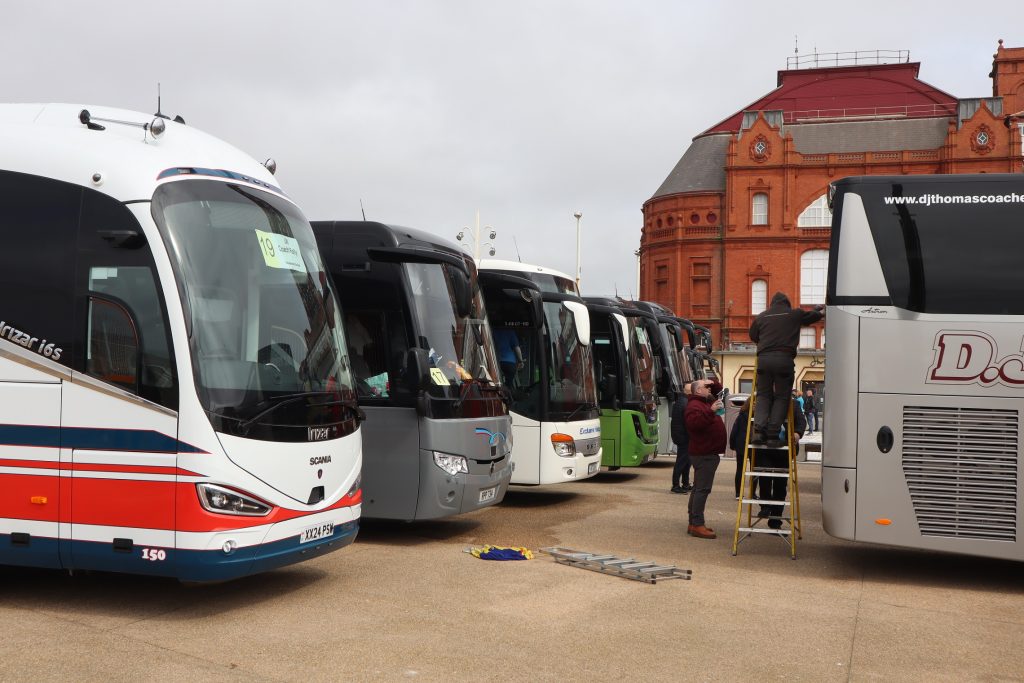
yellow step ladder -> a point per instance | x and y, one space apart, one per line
748 524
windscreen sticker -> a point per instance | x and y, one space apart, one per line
280 251
439 377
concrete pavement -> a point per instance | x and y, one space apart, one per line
406 603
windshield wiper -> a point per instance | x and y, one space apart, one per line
588 405
285 399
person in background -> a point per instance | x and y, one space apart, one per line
799 401
810 411
776 331
680 437
706 430
510 356
737 438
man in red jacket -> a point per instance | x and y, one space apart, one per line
707 441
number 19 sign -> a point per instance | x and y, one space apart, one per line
280 251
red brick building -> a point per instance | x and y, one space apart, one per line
743 214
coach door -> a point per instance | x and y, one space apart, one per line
119 421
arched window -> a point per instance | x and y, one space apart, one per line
758 296
759 209
813 274
816 215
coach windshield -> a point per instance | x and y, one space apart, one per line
265 329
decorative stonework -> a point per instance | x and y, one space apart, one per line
982 140
760 149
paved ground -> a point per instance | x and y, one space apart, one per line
405 603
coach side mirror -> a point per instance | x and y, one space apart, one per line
417 366
463 292
610 387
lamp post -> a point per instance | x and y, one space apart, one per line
637 253
474 233
578 215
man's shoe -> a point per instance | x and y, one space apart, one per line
775 524
678 489
701 532
764 512
757 439
687 488
775 443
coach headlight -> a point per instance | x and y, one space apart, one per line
227 502
636 426
452 464
354 489
564 445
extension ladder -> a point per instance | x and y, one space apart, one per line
751 472
626 567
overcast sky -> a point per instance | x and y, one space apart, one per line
430 110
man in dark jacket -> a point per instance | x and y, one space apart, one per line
737 438
681 470
707 441
777 334
810 408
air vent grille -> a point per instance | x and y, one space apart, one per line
961 468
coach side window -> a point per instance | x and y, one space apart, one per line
112 344
126 335
38 220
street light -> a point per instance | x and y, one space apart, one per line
578 215
474 233
637 253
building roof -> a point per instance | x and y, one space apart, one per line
848 91
868 136
702 168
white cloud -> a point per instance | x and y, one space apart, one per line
430 110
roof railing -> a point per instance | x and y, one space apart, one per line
819 60
937 109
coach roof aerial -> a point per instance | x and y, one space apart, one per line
116 151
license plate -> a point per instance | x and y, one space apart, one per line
488 494
592 467
315 533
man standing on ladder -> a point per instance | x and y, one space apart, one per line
776 331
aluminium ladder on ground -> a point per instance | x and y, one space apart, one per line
750 474
626 567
